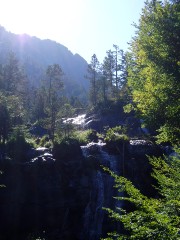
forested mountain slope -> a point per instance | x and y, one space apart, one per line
35 55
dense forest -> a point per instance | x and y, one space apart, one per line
131 96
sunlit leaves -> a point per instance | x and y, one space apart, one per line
151 218
153 69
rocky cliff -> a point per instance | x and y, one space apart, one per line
60 196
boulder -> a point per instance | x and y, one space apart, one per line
141 148
67 149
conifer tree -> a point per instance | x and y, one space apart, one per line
53 85
93 71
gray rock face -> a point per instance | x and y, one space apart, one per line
101 121
44 195
61 196
140 148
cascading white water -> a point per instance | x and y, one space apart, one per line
102 190
79 120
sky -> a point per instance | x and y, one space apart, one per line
85 27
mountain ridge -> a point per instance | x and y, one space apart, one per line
35 54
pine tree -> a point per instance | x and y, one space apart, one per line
93 76
53 84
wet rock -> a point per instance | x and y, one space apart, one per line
42 150
85 181
34 153
95 124
92 148
141 148
45 158
64 197
92 163
137 167
44 194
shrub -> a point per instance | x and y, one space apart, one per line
17 146
84 137
45 141
116 134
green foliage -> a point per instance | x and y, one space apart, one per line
42 53
128 108
152 218
45 142
153 66
13 89
4 120
85 136
38 104
17 146
81 136
116 134
115 71
93 69
67 111
64 131
53 84
168 133
108 80
13 78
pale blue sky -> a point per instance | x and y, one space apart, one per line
83 26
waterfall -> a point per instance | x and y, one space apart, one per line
93 215
102 191
78 120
